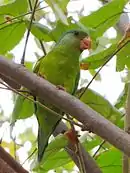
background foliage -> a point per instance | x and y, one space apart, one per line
52 18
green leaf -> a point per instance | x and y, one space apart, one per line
89 144
121 101
43 33
14 8
54 155
104 18
10 146
123 58
110 161
27 135
11 32
69 167
23 108
29 65
10 36
101 105
62 4
40 31
9 55
59 9
92 72
97 59
4 2
59 30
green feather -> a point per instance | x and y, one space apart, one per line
61 67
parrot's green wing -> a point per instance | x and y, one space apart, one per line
37 65
76 83
47 122
61 67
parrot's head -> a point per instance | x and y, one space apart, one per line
76 39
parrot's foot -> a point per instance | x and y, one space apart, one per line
87 128
41 75
84 66
60 87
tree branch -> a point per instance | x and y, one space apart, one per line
69 104
4 167
126 161
10 82
90 164
13 165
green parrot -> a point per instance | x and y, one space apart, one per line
60 67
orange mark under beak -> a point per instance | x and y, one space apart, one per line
85 43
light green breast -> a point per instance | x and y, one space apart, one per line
61 68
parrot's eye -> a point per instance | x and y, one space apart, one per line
76 33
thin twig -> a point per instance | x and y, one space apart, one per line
100 146
43 48
29 156
24 91
30 5
28 33
22 15
16 22
40 41
15 148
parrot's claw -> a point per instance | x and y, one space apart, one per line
60 87
41 75
87 128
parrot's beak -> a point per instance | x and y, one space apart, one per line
85 43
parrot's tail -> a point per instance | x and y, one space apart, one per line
43 137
